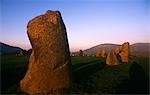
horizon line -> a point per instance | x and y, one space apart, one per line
71 49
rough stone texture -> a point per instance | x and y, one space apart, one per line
124 52
117 50
49 64
112 58
98 53
103 54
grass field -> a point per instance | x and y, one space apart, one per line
90 75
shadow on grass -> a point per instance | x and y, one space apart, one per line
82 71
11 77
137 83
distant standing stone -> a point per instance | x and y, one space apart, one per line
49 64
112 58
124 52
117 50
103 54
98 53
80 53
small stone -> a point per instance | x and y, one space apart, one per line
80 53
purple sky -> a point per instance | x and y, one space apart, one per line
88 22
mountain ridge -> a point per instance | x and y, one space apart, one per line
8 49
138 49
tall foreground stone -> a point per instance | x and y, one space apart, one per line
49 64
112 58
124 52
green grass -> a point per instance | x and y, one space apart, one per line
82 59
14 61
99 78
12 70
90 75
144 62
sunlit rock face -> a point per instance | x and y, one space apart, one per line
124 52
103 54
112 58
117 50
98 53
49 64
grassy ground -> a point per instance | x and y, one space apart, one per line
12 70
90 75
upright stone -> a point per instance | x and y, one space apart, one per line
112 58
117 50
98 53
124 52
103 54
49 64
80 52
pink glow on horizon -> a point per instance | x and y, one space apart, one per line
90 24
73 46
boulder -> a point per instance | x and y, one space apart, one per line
49 64
112 58
80 52
98 53
103 54
117 50
124 52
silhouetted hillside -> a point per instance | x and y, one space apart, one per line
7 49
93 50
137 49
140 49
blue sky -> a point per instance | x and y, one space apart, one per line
88 22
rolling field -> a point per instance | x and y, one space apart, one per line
90 75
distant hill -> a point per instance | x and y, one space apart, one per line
140 49
94 49
137 49
7 49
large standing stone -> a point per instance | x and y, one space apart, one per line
98 53
124 52
112 58
103 54
49 64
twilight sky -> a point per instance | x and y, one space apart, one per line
88 22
